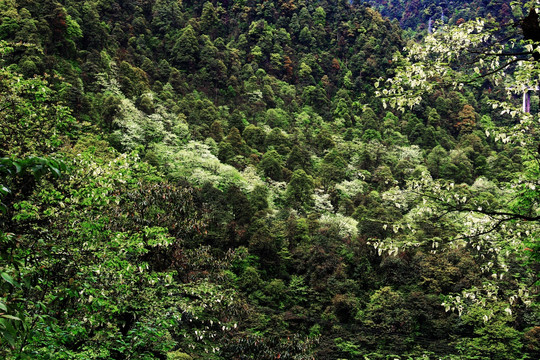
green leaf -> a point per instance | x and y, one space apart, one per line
10 280
37 170
8 331
55 171
3 306
11 317
18 167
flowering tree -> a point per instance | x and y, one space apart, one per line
497 222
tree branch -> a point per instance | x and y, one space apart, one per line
502 67
501 54
457 208
510 216
493 228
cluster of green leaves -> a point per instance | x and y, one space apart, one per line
32 121
36 166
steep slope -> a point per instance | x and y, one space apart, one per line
237 191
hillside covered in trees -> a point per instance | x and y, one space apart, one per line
419 14
281 179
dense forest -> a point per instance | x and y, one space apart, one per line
269 179
417 14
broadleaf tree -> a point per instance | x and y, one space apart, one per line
498 221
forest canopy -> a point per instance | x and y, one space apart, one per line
269 180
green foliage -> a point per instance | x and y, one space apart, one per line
299 191
196 163
254 137
237 190
333 168
271 165
386 312
348 347
494 339
17 171
16 325
32 121
186 48
178 355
